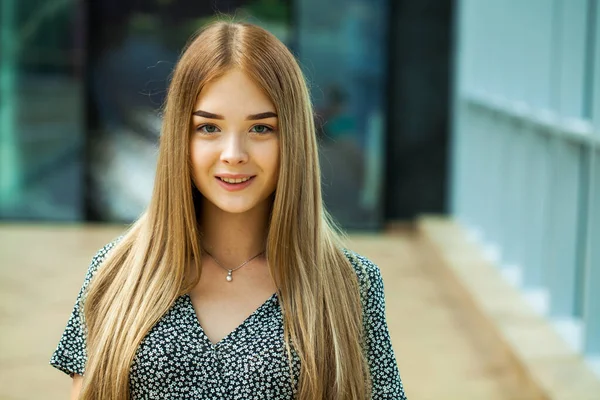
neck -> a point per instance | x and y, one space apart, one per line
234 238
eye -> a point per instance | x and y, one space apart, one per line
261 129
207 128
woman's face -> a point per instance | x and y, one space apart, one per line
234 144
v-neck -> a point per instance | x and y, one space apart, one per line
231 334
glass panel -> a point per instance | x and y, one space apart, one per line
41 129
341 45
591 309
563 229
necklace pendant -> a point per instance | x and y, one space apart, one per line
229 276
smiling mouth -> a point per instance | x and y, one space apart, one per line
235 180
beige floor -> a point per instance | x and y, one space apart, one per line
443 348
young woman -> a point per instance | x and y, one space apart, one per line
233 284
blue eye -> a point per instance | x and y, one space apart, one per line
261 129
207 128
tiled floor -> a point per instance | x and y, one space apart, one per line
443 349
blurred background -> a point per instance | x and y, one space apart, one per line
446 127
82 82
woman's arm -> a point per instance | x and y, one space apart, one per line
70 354
76 387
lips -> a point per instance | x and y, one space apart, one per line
234 182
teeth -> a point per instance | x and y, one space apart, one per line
239 180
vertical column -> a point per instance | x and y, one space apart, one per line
456 146
591 308
561 269
594 78
591 301
10 174
569 183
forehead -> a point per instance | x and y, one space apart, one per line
233 93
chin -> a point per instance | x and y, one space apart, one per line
235 208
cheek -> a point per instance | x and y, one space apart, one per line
199 160
272 159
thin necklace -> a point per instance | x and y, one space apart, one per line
230 271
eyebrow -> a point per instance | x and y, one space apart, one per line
252 117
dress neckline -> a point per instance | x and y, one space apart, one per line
250 319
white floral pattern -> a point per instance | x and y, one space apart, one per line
176 360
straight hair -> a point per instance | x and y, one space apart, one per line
150 267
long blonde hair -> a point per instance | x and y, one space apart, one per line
148 270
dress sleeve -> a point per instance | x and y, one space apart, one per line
70 355
385 377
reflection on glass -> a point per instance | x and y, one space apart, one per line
341 45
41 136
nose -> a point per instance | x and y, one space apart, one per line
234 151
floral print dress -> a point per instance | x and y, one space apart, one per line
176 360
